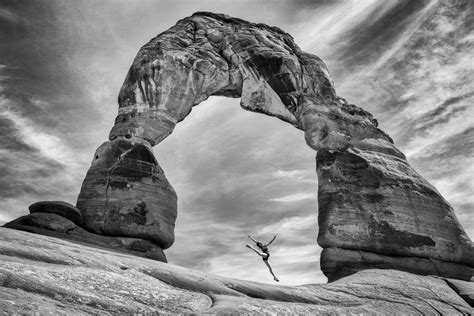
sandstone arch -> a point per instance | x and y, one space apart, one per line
374 209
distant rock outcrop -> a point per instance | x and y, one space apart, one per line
57 226
375 210
44 275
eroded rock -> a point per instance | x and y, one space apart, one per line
374 202
125 193
54 225
337 263
61 208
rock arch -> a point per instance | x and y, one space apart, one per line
375 211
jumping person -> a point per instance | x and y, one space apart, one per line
264 253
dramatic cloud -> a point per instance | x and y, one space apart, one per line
236 173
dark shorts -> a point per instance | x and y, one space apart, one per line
266 258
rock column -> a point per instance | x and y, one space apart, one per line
375 210
125 193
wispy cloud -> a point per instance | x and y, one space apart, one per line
308 176
292 225
11 16
323 29
34 163
296 197
50 146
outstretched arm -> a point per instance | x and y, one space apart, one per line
253 239
274 237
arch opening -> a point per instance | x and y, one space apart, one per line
231 183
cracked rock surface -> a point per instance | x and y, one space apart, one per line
48 275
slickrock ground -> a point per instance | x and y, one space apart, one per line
49 275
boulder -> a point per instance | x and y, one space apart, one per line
58 207
54 225
125 193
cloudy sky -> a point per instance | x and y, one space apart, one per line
236 173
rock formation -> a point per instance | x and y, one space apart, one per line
50 224
44 275
374 209
60 208
370 199
125 193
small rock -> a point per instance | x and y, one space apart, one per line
63 209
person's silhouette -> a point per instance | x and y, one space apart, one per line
264 253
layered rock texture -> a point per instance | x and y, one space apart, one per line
375 211
125 193
54 225
58 207
44 275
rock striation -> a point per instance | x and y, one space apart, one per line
375 210
125 193
45 275
54 225
58 207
